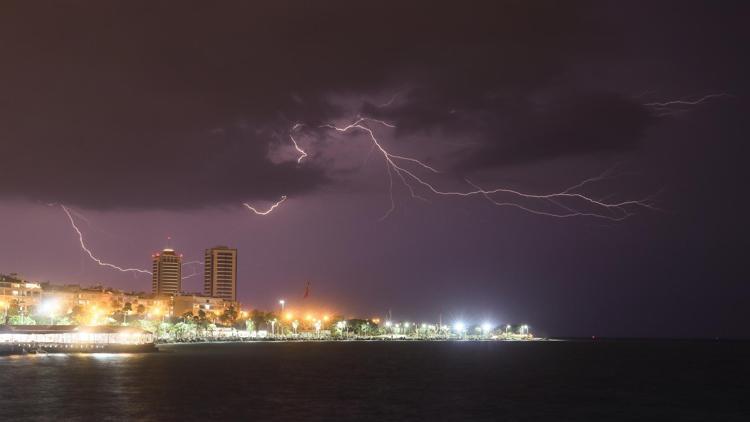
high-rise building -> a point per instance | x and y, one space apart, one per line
167 272
220 276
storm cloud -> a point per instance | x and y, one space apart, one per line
177 105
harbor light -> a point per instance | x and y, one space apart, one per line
486 327
459 326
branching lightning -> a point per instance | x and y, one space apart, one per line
302 153
69 212
569 202
90 254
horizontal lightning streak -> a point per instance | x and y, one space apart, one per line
192 262
268 211
688 102
615 211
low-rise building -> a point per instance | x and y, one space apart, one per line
18 293
195 303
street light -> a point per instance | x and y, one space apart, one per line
49 307
282 302
486 327
341 325
317 328
459 327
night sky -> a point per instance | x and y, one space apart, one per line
155 119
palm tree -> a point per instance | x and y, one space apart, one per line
229 316
188 315
258 317
126 309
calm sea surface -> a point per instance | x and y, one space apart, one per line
459 381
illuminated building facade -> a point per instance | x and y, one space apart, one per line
167 272
19 294
213 307
220 273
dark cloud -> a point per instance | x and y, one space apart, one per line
176 105
580 125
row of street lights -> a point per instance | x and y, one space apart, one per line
459 327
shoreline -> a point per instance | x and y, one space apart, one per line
361 340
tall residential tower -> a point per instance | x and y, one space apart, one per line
167 272
220 276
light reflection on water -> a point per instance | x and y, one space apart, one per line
381 381
107 356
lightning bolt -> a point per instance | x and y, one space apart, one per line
687 102
302 153
91 255
192 262
194 273
69 212
390 101
681 106
269 210
566 203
